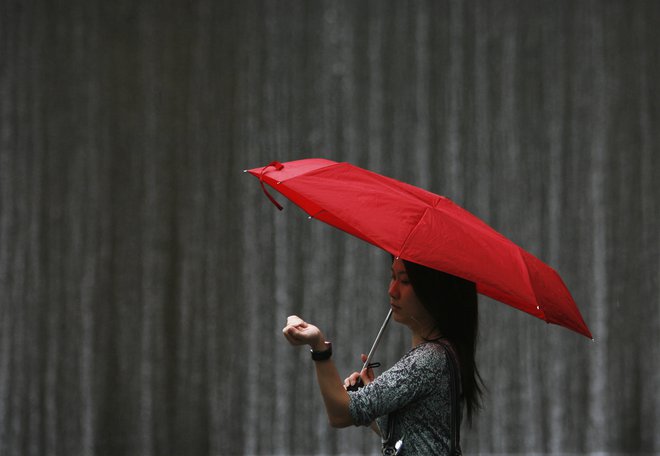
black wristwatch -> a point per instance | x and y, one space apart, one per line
322 355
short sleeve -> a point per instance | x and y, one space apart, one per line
412 378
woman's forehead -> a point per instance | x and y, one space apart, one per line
398 265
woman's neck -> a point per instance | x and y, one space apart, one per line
423 331
426 336
416 340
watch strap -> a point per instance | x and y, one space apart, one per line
323 354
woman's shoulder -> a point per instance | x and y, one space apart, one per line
428 353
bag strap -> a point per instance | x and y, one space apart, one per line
455 387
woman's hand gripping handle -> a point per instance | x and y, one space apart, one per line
357 380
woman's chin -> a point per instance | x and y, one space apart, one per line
396 316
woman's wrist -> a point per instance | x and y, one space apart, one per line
323 354
319 345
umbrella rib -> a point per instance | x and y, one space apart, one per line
529 284
526 276
410 233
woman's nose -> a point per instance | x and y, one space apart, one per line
393 290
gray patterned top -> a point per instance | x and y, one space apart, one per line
416 394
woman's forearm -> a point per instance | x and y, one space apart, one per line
335 397
334 394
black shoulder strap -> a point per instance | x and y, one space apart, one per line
455 385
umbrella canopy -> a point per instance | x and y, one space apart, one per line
419 226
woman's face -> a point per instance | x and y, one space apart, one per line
406 307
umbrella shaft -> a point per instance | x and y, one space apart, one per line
377 341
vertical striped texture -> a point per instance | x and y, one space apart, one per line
144 279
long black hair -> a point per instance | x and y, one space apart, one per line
453 303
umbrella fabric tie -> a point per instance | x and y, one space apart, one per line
278 166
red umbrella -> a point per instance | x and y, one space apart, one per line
425 228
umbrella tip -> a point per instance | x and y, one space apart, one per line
245 170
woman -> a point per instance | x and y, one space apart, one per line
412 400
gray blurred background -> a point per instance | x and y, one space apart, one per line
144 279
